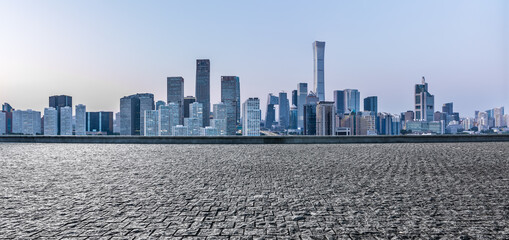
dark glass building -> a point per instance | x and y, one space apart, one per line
99 122
371 104
295 98
309 119
203 88
188 101
270 115
339 101
230 95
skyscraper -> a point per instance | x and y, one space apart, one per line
116 123
230 95
130 115
251 117
81 118
220 116
163 121
196 111
295 98
424 102
203 88
193 126
50 121
310 114
187 101
175 112
175 93
66 120
270 114
339 102
318 60
3 123
352 100
448 108
160 103
150 123
59 101
146 104
293 117
302 89
325 118
7 108
284 110
371 104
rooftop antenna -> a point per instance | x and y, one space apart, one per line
423 80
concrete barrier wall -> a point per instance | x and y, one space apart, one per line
254 140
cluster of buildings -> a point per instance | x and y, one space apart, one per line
308 112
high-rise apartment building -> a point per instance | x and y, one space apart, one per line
270 114
325 118
187 102
7 110
26 122
151 123
57 102
284 110
50 122
302 90
203 88
371 104
318 64
230 95
424 102
498 115
251 117
66 121
175 93
81 120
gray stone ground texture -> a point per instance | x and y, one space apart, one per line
384 191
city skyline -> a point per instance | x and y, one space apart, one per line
435 51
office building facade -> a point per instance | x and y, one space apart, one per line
230 95
81 120
57 102
284 110
50 121
325 118
318 66
302 91
203 88
175 93
371 104
251 117
424 102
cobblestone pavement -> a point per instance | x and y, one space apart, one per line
58 191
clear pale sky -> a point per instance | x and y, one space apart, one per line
98 51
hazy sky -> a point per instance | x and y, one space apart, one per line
99 51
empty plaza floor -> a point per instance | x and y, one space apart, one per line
349 191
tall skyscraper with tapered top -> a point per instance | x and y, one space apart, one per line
318 64
203 88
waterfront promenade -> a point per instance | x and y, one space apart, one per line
335 191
